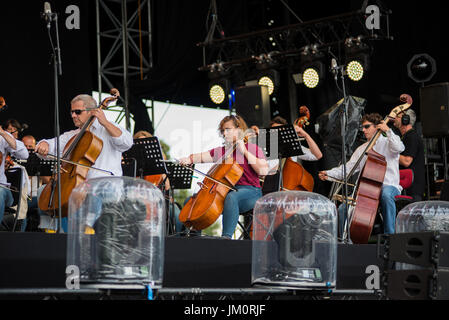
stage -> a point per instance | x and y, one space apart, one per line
33 265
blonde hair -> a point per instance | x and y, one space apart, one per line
238 121
139 134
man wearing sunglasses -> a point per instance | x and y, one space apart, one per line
116 139
390 146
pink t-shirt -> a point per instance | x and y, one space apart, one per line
249 177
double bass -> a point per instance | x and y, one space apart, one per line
294 176
369 184
79 155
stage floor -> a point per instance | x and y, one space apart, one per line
35 263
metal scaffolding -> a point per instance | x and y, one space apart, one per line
128 46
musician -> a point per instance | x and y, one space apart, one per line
115 139
142 134
413 155
8 144
313 153
249 156
390 146
13 127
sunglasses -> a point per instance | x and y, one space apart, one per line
366 126
77 112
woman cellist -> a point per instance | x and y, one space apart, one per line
251 159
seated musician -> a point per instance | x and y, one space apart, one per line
250 157
413 155
116 140
13 127
162 177
8 145
390 146
313 153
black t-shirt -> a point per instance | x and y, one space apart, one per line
414 147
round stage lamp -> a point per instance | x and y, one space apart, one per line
421 68
266 81
310 78
354 70
217 94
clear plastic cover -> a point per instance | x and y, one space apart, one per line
419 217
294 240
116 231
423 216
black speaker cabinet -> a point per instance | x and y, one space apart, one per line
422 284
434 103
253 104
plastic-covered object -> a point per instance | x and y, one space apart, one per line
116 231
423 216
294 240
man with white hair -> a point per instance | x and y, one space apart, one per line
413 155
116 139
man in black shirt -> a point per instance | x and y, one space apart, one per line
413 155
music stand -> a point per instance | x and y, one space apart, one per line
278 143
36 166
147 152
129 167
180 177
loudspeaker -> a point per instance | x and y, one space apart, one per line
434 104
253 104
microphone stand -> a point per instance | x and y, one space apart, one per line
57 66
343 121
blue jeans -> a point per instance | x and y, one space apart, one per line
6 200
387 206
236 203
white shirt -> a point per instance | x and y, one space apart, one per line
307 156
110 158
390 147
21 152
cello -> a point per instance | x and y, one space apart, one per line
294 176
369 184
79 154
204 208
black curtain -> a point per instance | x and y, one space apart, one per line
26 81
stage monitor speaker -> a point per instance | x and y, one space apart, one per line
434 104
253 104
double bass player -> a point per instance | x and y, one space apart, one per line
388 145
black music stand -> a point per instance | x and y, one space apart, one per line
180 178
147 152
278 143
129 167
38 167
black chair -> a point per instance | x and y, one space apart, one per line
10 219
246 225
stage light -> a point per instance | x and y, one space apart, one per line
421 68
354 70
267 81
357 58
310 78
311 67
217 94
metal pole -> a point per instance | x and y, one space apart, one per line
150 36
97 6
125 61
